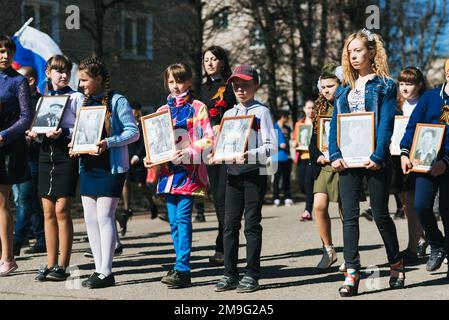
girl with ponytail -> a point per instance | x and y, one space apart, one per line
102 174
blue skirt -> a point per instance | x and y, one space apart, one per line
101 183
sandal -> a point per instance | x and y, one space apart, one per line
351 285
397 275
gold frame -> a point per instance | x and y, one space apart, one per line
298 129
99 131
320 121
356 114
214 156
41 101
418 128
146 138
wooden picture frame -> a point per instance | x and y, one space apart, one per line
159 137
400 124
303 136
432 144
323 135
232 140
49 112
88 129
356 137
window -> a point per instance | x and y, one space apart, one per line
45 14
137 42
220 20
257 40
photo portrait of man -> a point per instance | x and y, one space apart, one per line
51 118
426 153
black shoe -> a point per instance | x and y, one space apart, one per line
247 284
101 281
399 214
86 282
36 249
42 274
122 218
435 259
409 257
57 274
165 279
153 210
422 247
178 279
88 253
368 214
217 259
227 283
397 275
163 217
200 217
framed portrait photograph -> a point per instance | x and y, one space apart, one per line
426 145
49 112
400 124
232 140
303 136
88 129
355 134
159 137
324 124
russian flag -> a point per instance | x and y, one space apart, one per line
34 48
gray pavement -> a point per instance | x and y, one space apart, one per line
290 252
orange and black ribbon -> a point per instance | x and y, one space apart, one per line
445 115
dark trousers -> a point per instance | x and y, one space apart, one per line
244 195
351 184
283 171
217 181
304 176
425 190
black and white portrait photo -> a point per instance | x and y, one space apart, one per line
159 137
426 144
49 113
88 129
356 137
233 137
304 134
323 135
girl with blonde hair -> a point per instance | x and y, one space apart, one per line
368 87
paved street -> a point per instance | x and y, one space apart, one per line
290 252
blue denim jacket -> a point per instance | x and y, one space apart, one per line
380 98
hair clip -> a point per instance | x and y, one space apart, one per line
368 33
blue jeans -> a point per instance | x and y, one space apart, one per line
425 191
179 208
28 209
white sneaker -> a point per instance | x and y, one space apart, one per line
329 258
342 268
277 202
288 202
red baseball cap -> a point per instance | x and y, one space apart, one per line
245 72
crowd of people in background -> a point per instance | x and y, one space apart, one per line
44 172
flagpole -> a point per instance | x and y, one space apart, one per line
21 30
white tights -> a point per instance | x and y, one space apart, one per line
99 214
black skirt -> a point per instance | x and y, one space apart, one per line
14 163
58 173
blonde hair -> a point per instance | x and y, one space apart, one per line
379 62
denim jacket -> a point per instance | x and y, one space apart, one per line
380 98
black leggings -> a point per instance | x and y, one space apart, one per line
304 176
284 170
217 179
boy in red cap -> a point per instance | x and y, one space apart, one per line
246 185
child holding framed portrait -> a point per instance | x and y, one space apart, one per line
432 109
